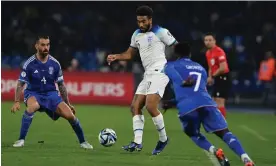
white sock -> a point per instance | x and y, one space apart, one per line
245 156
212 149
160 126
138 127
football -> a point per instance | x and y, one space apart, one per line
107 137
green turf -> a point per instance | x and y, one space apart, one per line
61 146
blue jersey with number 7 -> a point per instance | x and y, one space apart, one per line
189 98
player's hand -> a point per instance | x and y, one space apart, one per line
15 107
210 81
72 108
110 58
167 104
188 82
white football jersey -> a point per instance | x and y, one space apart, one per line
151 46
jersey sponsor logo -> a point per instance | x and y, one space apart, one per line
51 70
23 74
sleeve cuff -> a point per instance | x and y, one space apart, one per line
133 47
22 80
174 42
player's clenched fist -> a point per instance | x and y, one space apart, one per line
111 58
15 107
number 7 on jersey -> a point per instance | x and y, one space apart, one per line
197 80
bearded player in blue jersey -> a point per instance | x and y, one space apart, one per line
40 72
196 107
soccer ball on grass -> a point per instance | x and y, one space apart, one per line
107 137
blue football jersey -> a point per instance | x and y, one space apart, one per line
41 77
188 98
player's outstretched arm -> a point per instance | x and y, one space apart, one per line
127 55
18 91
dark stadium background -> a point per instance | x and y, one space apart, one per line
82 35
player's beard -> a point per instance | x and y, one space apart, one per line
44 53
146 29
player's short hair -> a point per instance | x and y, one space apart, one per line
42 37
182 49
144 11
210 34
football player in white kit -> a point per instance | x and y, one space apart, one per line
150 40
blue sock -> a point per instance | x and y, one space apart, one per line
201 141
78 130
233 142
27 119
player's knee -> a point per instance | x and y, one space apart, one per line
135 109
221 133
152 109
66 113
31 108
70 117
190 133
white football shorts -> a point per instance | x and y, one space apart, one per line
154 83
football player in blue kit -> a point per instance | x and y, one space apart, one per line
40 72
196 107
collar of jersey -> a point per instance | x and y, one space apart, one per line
187 59
153 29
214 48
40 61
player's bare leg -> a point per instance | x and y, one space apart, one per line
233 142
32 107
221 105
138 119
152 102
64 111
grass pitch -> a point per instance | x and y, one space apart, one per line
257 132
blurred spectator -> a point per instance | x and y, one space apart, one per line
74 65
266 74
243 29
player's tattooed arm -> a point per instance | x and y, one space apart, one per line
18 91
63 92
